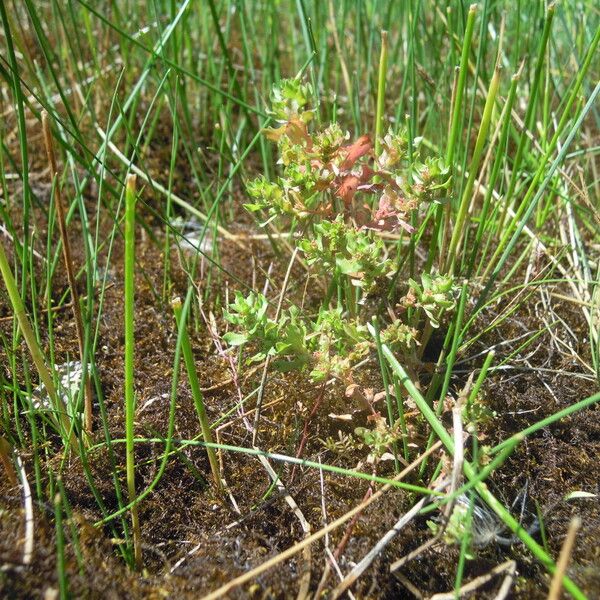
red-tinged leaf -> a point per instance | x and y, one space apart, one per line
354 182
356 150
388 217
375 417
385 208
366 174
389 224
348 188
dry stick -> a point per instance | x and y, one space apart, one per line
417 551
457 466
303 591
416 592
563 559
341 546
296 548
510 567
458 458
35 253
28 503
66 248
506 584
364 564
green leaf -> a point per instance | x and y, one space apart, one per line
253 207
235 339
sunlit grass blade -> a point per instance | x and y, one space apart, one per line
129 273
181 318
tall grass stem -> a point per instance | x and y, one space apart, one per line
130 201
181 319
381 80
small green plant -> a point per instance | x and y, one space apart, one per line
435 295
458 527
342 196
476 413
380 439
340 248
327 345
285 339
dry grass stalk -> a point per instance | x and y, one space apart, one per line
563 559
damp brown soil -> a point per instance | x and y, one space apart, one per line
195 541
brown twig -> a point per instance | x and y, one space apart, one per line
457 465
304 438
6 459
342 545
380 546
66 247
563 559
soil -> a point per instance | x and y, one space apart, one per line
195 541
